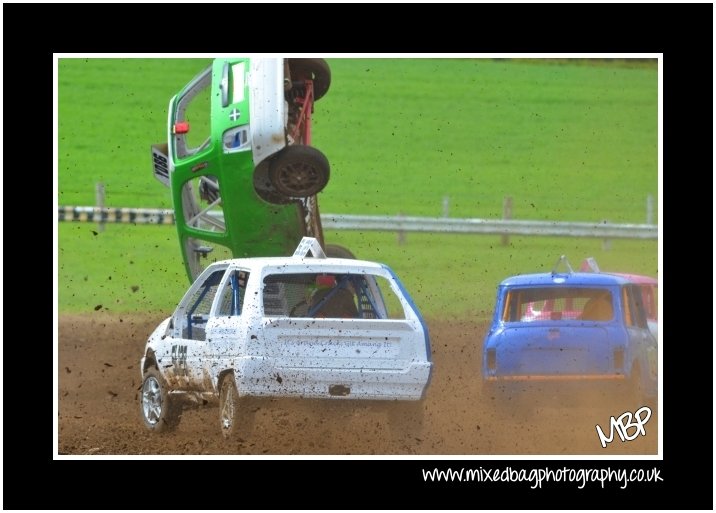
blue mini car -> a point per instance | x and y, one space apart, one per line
571 328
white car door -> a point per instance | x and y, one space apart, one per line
228 326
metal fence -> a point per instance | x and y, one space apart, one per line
116 215
398 224
488 226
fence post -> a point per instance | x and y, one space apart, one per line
649 209
506 214
446 206
401 233
606 243
99 197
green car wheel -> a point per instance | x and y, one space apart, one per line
299 171
312 69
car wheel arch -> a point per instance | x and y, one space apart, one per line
150 361
223 375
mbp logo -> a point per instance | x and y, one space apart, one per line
624 423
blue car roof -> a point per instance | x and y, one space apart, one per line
564 280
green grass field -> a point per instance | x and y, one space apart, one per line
568 141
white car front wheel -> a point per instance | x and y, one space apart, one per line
159 411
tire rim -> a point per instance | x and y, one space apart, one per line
152 400
227 409
299 177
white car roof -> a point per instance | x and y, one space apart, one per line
299 264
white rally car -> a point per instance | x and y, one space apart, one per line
303 326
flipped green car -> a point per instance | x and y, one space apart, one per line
238 160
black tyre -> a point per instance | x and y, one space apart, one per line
312 69
235 414
265 189
299 171
338 251
160 412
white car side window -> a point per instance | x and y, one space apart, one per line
195 313
231 300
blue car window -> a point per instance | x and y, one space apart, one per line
538 304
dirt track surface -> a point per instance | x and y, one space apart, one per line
98 398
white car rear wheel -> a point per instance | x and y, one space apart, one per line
228 406
236 414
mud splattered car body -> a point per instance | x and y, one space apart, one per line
590 328
298 326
